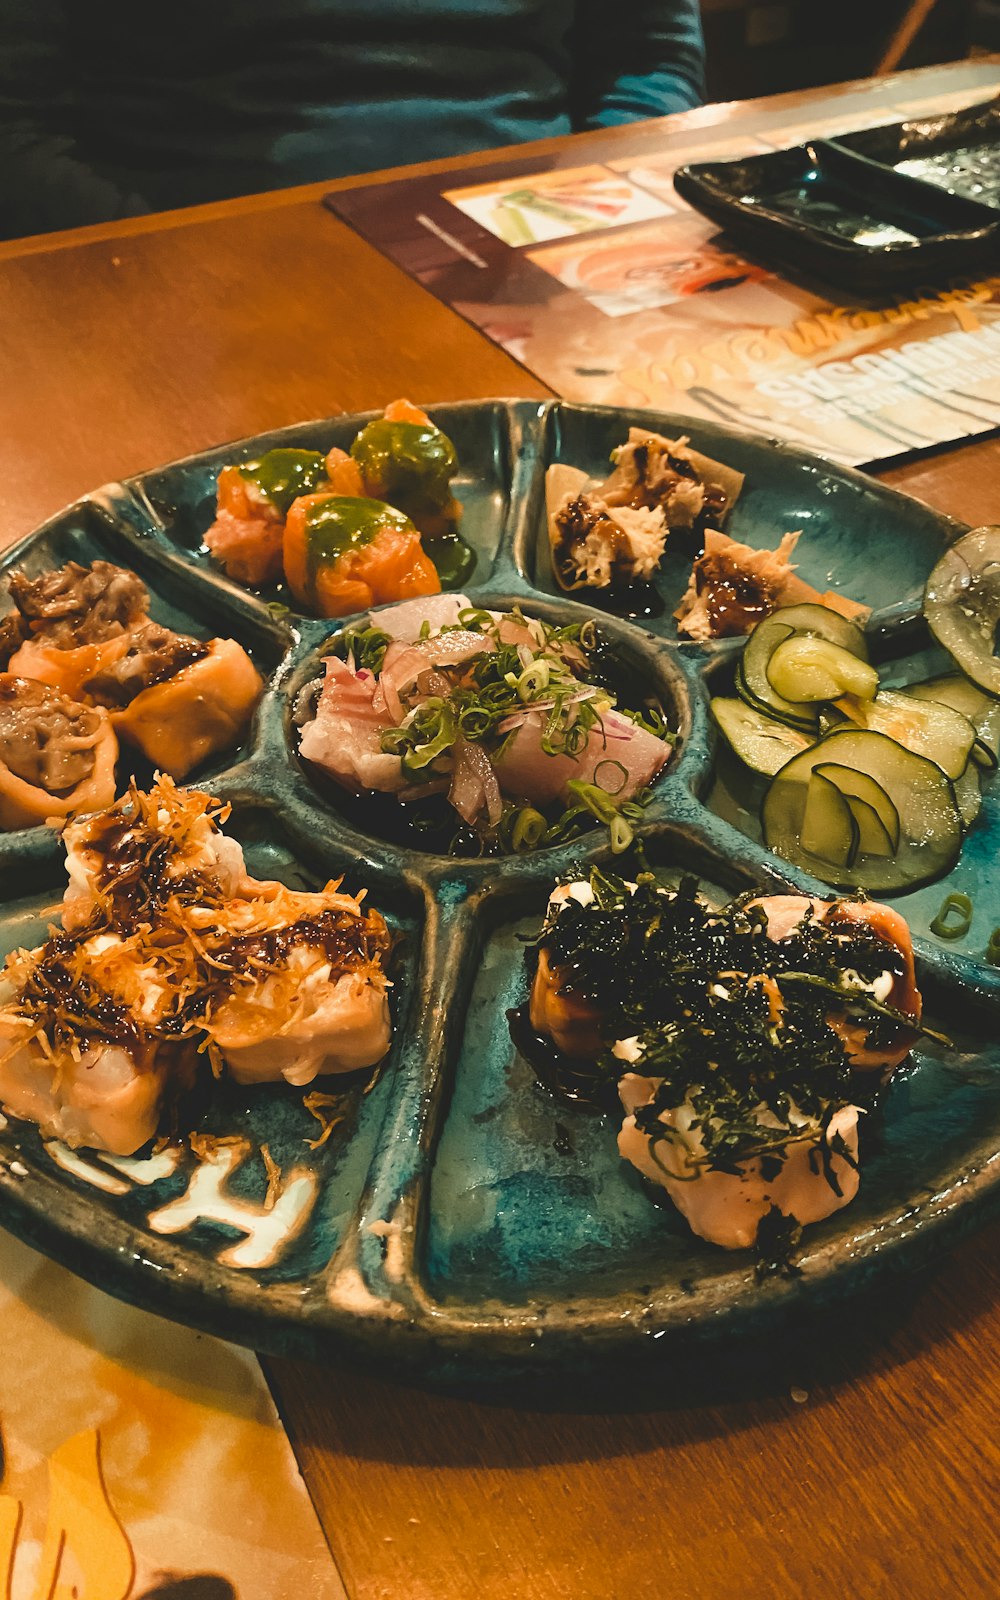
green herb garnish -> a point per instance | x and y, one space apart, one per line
954 918
528 669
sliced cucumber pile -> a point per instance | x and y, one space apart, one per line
870 788
814 817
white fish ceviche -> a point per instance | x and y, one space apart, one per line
492 732
745 1043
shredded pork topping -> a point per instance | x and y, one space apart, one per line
154 654
659 473
599 545
46 739
77 605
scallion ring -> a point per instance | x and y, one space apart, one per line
529 829
620 831
954 919
615 766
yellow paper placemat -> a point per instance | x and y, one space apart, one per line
140 1460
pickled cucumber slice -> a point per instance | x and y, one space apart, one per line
873 840
761 743
810 620
982 710
927 727
962 605
828 826
805 668
930 827
752 682
862 787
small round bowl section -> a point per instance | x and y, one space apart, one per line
649 668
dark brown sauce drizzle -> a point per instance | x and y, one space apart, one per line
580 1083
734 600
135 864
347 941
74 1006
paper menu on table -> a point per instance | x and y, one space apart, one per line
552 205
141 1460
655 308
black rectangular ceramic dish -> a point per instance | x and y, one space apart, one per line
959 152
831 212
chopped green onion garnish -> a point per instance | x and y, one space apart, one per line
954 919
528 831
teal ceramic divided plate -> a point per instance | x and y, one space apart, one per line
460 1222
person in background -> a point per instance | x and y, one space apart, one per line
109 108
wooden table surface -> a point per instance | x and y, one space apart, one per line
124 346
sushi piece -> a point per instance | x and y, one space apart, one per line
147 851
247 533
870 1045
57 757
179 720
815 1175
253 502
733 586
173 961
343 554
738 1037
408 462
85 1051
300 985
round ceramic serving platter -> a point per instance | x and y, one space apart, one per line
459 1221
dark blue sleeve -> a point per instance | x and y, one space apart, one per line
635 59
45 182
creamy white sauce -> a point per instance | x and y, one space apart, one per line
70 1162
268 1230
146 1169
